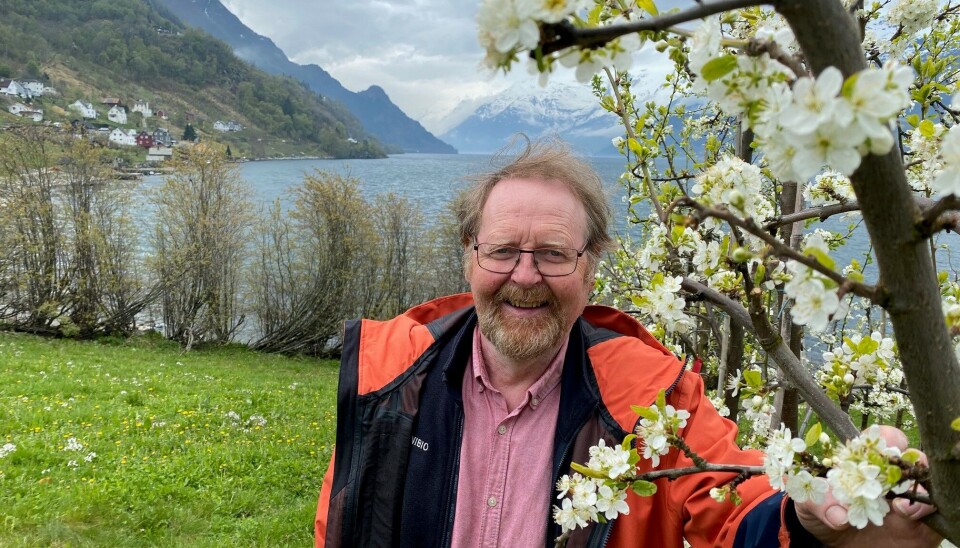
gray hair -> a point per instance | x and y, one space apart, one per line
548 160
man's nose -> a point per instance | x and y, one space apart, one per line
526 273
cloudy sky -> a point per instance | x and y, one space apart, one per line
424 53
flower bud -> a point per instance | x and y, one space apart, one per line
737 199
757 401
848 378
741 255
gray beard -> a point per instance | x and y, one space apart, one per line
522 339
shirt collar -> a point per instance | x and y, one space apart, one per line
549 380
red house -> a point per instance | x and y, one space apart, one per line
145 140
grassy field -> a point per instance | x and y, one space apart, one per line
133 443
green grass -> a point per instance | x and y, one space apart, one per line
219 447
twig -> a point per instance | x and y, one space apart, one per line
675 473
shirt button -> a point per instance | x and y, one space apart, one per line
535 402
502 430
491 502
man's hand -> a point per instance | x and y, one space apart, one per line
901 528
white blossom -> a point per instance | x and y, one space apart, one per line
803 486
948 180
612 461
815 102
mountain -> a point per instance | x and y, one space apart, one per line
372 106
130 50
566 109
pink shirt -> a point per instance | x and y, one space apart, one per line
503 495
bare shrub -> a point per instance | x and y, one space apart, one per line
201 240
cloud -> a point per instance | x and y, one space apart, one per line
424 53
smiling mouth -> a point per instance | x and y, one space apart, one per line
522 304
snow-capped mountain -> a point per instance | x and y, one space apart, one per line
563 108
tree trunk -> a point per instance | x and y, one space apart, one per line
829 36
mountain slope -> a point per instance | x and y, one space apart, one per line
131 50
372 106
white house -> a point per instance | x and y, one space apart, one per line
86 110
122 137
33 87
13 87
117 114
24 111
142 107
220 125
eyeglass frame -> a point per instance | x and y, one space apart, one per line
532 252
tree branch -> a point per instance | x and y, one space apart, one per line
823 213
874 293
934 219
564 35
755 48
675 473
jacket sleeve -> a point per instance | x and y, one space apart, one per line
705 521
323 506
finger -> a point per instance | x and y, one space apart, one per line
912 509
829 512
894 437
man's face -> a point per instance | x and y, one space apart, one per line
523 313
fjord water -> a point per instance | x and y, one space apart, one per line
432 180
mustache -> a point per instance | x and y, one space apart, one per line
536 294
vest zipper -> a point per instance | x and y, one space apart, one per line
453 484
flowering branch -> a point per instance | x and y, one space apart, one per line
771 341
564 35
874 293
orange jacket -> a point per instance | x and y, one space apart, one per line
392 383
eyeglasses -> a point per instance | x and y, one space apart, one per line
550 261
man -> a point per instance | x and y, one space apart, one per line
456 419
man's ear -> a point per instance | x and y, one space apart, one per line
467 261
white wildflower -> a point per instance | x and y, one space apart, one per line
7 449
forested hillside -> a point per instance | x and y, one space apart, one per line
88 49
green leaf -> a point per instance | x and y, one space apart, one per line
760 275
955 424
646 412
753 378
661 399
627 442
588 472
910 456
648 6
927 129
913 120
608 104
821 257
644 488
635 147
813 435
894 473
718 67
